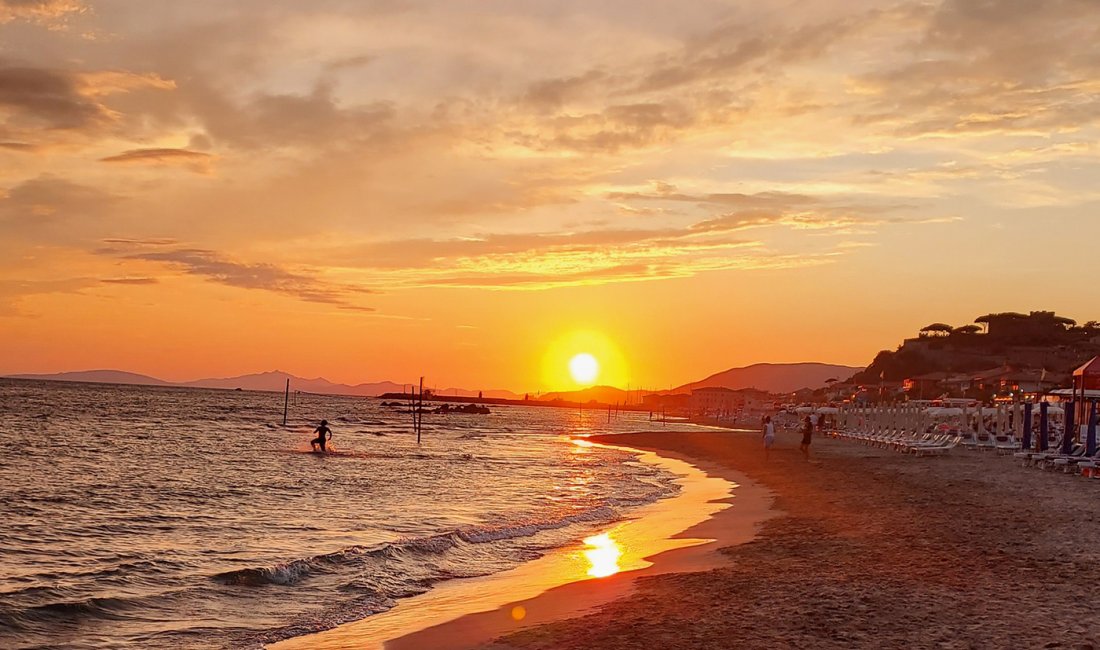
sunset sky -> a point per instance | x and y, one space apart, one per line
475 190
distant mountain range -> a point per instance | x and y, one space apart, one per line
770 377
774 377
274 380
604 394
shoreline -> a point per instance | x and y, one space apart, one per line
673 535
870 549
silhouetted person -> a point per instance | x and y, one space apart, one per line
807 434
321 432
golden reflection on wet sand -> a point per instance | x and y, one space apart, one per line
603 553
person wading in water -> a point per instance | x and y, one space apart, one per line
321 432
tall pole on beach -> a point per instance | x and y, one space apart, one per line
286 400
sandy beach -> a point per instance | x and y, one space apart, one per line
870 549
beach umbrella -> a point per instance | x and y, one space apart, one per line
1044 426
1090 436
1026 444
1068 435
979 420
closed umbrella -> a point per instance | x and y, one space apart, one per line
1026 444
1090 436
1069 434
1044 427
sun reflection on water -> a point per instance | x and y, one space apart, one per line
603 553
581 446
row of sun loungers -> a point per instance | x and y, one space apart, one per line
934 444
928 444
1075 462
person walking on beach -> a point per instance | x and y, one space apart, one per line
321 432
769 436
807 434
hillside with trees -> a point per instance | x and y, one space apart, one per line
1040 340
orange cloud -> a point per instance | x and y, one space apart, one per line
48 12
196 161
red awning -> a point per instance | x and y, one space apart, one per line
1088 375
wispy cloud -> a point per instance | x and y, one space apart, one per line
265 276
195 161
131 281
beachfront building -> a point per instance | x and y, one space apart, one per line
713 400
670 404
720 401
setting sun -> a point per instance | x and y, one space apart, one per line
581 358
584 368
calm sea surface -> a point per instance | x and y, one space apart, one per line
134 517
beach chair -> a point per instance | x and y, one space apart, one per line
936 450
1062 461
1006 444
1089 468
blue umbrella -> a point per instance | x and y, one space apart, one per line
1069 436
1090 438
1044 427
1026 444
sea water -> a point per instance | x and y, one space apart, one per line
154 517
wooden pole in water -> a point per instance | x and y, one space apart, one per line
420 412
286 400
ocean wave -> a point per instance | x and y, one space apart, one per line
89 607
67 612
294 571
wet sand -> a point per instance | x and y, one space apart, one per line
870 549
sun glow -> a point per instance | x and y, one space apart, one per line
582 358
584 368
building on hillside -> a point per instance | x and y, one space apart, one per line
1008 380
841 392
925 386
